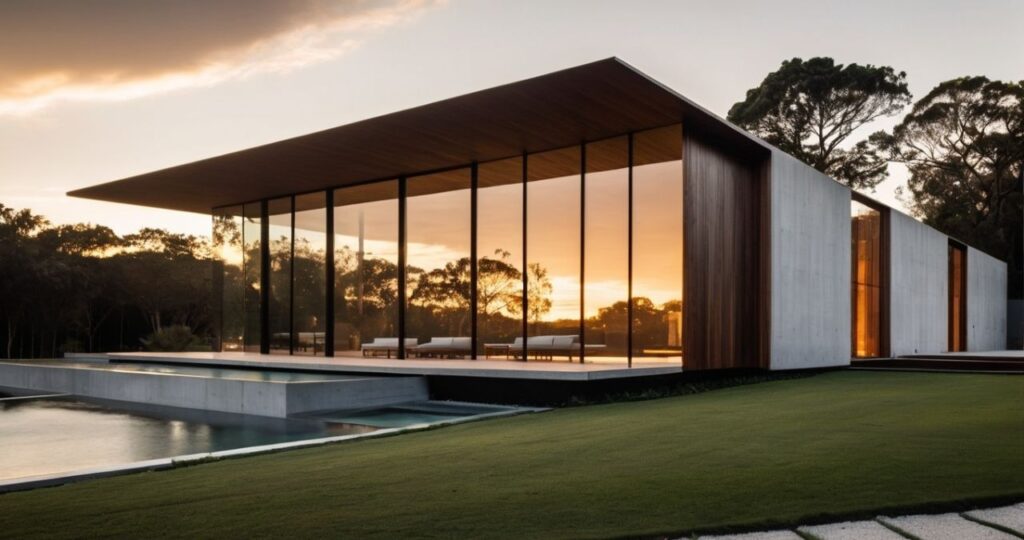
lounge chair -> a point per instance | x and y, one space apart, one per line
444 347
310 340
547 347
386 346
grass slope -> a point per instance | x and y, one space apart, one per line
840 443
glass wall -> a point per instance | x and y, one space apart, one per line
553 257
229 282
499 257
606 248
252 262
279 217
309 274
365 266
553 254
438 263
866 228
658 244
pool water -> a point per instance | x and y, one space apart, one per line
57 435
399 416
42 436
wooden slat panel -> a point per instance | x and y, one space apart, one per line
723 318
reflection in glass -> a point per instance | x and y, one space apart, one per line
500 256
658 243
606 250
366 266
553 254
252 261
866 228
229 283
437 268
309 271
280 251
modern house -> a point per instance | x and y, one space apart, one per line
589 215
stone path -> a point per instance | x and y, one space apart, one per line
1005 523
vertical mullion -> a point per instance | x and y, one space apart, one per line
473 266
264 275
329 277
291 282
401 265
583 245
526 267
629 257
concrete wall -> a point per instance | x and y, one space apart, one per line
986 302
810 267
918 287
261 398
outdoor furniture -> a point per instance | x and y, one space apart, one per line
501 348
305 341
547 347
444 347
385 346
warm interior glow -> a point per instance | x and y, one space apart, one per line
867 284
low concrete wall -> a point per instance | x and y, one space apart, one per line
810 267
262 398
918 287
986 302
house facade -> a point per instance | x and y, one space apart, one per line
588 215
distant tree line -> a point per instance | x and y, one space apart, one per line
83 288
962 143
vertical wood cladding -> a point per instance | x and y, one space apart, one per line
722 266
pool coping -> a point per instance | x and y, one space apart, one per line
161 464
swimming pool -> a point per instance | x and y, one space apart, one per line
46 436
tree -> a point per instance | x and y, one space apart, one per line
538 292
963 145
19 267
811 108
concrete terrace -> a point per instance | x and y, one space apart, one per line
495 369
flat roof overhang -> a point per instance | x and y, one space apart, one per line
584 103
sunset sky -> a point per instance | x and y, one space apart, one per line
93 91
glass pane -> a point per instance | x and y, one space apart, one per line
553 254
309 279
866 229
658 244
366 269
606 255
438 271
252 263
280 238
500 251
229 282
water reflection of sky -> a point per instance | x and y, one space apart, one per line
49 436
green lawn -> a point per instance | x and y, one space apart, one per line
836 444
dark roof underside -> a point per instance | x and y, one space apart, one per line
585 103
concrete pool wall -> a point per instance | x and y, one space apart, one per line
273 398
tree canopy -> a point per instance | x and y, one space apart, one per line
963 145
811 108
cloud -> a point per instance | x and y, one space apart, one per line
110 50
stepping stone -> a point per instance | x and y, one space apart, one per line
1010 517
766 535
852 530
945 527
